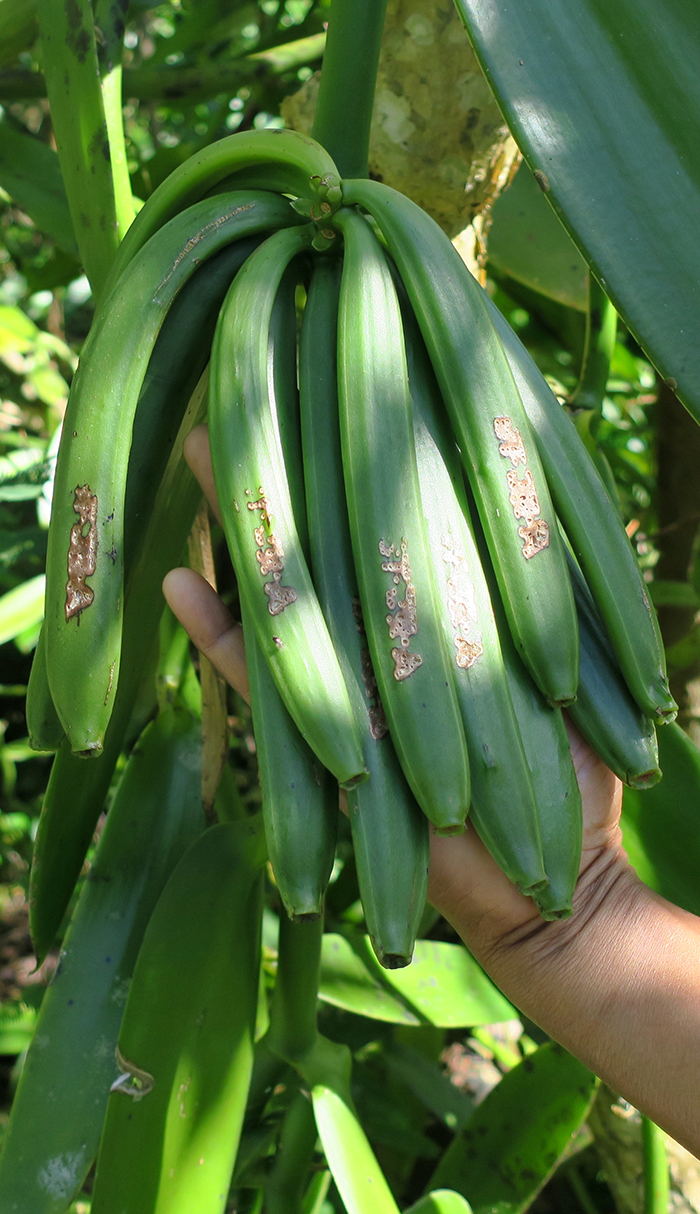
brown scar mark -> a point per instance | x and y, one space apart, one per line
199 236
523 491
270 557
511 445
405 663
461 606
279 596
536 537
82 553
402 620
523 496
542 180
111 680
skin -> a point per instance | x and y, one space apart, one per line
618 984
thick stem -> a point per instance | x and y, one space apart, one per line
284 1191
656 1182
346 93
293 1015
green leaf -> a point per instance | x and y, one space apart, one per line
441 1201
603 97
661 826
30 172
443 985
358 1177
22 608
528 242
175 1114
673 594
57 1114
517 1136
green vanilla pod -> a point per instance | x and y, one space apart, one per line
299 797
503 799
389 832
179 356
43 726
554 783
185 1050
299 165
54 1129
604 712
400 605
76 791
596 534
492 432
84 598
258 516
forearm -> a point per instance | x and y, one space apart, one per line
618 985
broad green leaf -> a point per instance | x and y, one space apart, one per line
22 608
174 1116
57 1115
517 1136
441 1201
358 1177
603 96
673 594
30 172
443 985
346 983
661 826
528 242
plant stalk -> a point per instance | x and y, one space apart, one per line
346 93
656 1184
293 1015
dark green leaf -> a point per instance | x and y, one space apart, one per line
443 985
673 594
603 96
516 1137
661 826
30 173
528 242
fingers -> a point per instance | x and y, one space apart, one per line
209 625
198 456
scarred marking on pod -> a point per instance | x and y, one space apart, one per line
132 1081
523 491
270 556
402 620
82 552
200 235
461 605
111 680
511 445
